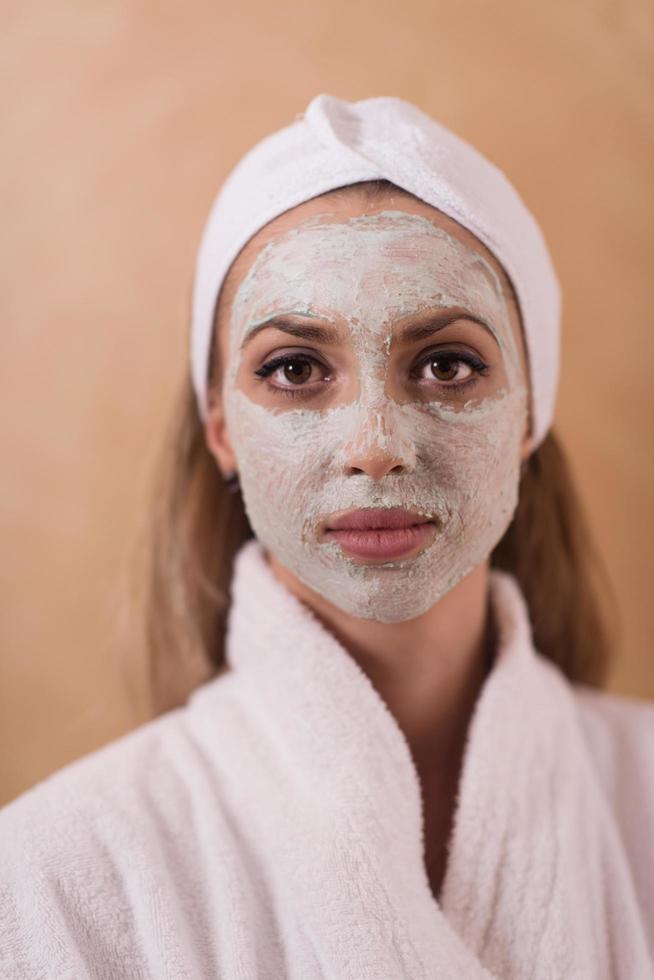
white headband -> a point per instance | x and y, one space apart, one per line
335 143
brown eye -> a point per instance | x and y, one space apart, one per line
448 368
297 371
289 373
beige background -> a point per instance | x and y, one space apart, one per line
119 123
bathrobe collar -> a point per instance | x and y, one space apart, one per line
536 875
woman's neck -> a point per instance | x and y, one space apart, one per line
428 670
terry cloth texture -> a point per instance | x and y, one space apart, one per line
272 827
335 143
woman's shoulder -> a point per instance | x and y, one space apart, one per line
615 724
619 733
77 823
90 782
103 808
124 799
85 845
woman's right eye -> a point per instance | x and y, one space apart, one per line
296 369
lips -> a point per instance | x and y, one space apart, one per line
370 519
374 534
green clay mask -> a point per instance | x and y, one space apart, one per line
457 459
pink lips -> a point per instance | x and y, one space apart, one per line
380 533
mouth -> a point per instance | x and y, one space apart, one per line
380 534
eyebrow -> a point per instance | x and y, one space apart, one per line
434 322
307 331
427 326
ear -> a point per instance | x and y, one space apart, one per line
217 438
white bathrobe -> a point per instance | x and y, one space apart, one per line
272 827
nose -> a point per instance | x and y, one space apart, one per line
378 447
376 467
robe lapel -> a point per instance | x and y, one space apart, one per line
537 884
339 811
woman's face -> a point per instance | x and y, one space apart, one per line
371 357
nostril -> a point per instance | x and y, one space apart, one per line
376 468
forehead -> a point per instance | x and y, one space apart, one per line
371 266
340 207
348 203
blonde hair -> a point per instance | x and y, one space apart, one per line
195 526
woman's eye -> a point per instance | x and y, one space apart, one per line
291 371
450 368
295 371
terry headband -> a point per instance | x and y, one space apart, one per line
335 143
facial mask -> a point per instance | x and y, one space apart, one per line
457 461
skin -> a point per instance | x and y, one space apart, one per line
428 669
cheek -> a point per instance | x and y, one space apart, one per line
470 442
278 449
479 467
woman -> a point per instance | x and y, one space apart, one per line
388 755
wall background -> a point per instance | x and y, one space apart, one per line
120 122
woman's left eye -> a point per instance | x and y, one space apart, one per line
452 368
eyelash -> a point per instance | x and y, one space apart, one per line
479 366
